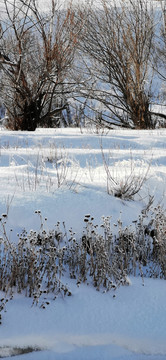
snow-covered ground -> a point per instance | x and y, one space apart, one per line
61 173
90 325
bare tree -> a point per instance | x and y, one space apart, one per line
159 63
38 50
160 43
118 42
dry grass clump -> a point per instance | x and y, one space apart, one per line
90 259
34 265
157 228
143 250
37 263
134 176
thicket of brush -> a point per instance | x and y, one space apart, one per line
104 256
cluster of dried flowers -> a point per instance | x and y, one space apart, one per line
40 261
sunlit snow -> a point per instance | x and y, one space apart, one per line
61 172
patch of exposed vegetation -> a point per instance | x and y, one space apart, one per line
103 257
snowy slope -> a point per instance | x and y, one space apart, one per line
61 172
30 182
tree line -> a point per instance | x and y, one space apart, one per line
103 63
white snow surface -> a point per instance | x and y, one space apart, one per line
60 172
91 325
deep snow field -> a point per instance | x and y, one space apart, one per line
61 173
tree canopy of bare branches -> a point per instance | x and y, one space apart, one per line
34 74
102 55
160 48
118 39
